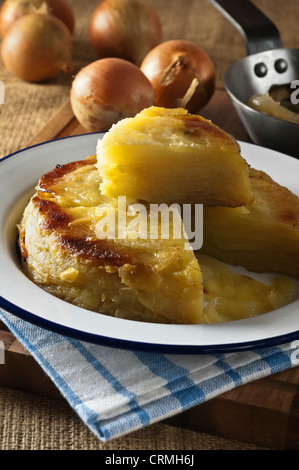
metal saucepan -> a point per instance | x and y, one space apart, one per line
266 64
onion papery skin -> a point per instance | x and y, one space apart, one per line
12 10
108 90
126 29
182 75
37 48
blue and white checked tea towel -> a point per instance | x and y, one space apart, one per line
117 391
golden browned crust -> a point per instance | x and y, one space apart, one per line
56 218
280 202
159 281
199 126
48 181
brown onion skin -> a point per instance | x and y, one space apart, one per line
127 29
37 47
12 10
172 66
108 90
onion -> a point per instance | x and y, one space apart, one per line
108 90
127 29
181 73
37 48
12 10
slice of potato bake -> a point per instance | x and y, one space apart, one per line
170 156
262 236
67 250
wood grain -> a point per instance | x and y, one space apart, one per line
20 370
264 412
219 110
62 124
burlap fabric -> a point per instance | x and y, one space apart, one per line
30 422
36 422
29 106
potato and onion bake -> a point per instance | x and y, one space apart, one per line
163 156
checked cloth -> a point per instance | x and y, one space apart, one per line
117 391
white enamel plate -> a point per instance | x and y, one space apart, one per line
19 174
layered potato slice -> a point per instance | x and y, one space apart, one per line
66 250
262 236
170 156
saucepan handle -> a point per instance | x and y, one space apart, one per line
258 31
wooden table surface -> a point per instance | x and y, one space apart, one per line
276 399
269 407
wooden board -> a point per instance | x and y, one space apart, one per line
264 412
219 110
20 371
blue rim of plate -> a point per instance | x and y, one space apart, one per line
54 327
142 346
